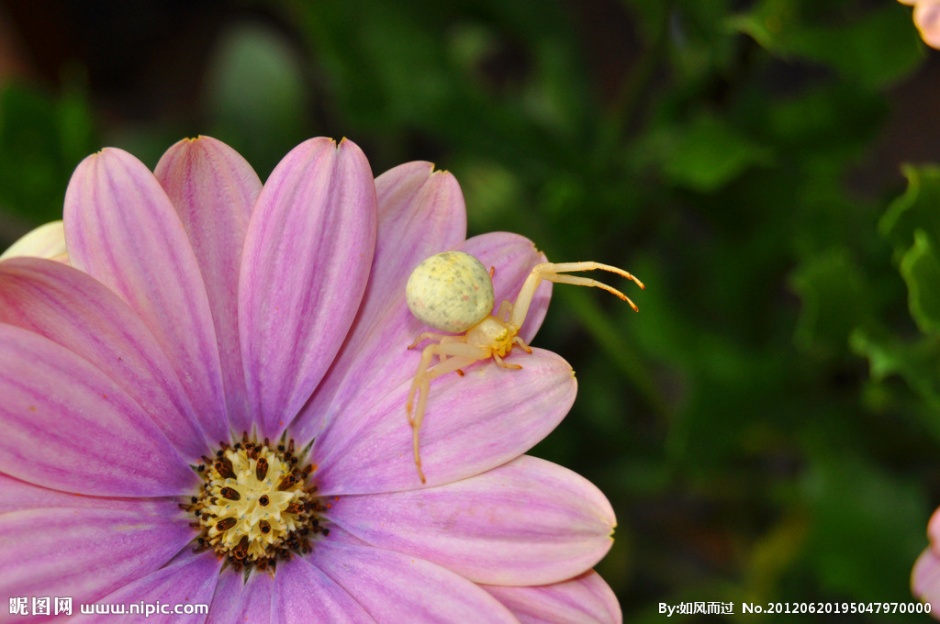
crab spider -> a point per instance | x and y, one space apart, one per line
453 292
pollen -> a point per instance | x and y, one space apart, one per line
257 504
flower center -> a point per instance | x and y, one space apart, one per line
254 506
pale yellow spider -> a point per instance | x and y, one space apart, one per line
453 292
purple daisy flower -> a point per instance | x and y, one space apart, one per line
205 406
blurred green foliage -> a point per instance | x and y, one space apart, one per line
767 427
42 139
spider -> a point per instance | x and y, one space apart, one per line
453 292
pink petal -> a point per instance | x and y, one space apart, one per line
927 20
528 522
46 241
933 527
17 495
213 189
396 588
68 427
83 553
925 580
122 229
586 599
227 604
79 313
421 212
473 423
307 257
306 594
238 601
187 583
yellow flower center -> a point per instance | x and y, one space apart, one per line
254 506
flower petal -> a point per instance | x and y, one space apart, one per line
79 313
122 229
421 212
933 527
17 495
239 601
213 189
529 522
187 583
306 594
473 423
68 427
46 241
83 553
925 579
396 588
586 599
307 256
927 20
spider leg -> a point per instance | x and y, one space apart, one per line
428 336
554 273
502 363
459 355
450 340
505 309
587 281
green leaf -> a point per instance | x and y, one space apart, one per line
825 120
834 302
918 363
921 271
873 49
705 155
701 43
42 139
917 208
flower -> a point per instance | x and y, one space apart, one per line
925 578
46 241
927 20
201 316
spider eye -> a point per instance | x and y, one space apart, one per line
450 291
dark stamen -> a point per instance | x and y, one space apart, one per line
225 524
230 493
224 468
241 551
288 481
261 469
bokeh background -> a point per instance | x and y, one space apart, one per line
768 426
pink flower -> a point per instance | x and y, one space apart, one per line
925 578
195 305
927 20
